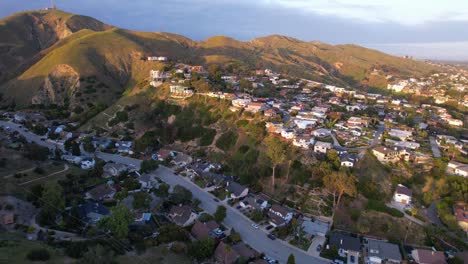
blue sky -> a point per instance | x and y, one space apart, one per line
422 28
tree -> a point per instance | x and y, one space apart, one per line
163 190
118 221
291 259
333 158
220 214
75 149
88 145
339 183
276 152
257 215
149 165
181 195
202 249
52 203
141 200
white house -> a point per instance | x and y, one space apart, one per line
303 123
457 168
279 215
322 147
87 163
124 147
321 132
402 194
288 133
401 134
303 141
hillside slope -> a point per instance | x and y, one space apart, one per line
24 35
63 58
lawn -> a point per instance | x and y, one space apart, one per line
13 162
158 255
14 248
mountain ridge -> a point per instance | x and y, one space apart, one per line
113 58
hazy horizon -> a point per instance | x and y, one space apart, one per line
422 29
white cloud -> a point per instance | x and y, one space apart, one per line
409 12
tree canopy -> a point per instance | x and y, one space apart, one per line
118 221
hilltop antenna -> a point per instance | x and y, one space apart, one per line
52 5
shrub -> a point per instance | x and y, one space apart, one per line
149 165
76 250
242 123
355 214
38 255
39 170
381 207
208 136
227 140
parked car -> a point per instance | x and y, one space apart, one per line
319 248
271 236
352 259
269 227
255 226
238 207
216 200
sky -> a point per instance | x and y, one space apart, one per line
433 29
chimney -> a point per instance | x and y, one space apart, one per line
341 241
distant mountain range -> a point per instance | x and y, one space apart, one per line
56 57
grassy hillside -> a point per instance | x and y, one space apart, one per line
25 34
63 58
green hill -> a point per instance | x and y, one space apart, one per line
24 35
57 57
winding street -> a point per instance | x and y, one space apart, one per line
257 238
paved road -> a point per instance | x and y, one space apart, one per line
119 159
435 148
257 238
31 137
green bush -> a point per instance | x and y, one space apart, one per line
149 165
38 255
381 207
207 137
227 140
242 123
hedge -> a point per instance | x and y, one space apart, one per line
381 207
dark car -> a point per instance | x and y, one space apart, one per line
216 200
352 259
272 237
319 248
239 207
269 227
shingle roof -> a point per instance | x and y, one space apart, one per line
345 242
384 250
401 189
235 188
428 256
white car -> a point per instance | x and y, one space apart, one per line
255 226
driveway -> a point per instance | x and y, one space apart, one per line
435 148
431 213
256 238
317 240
